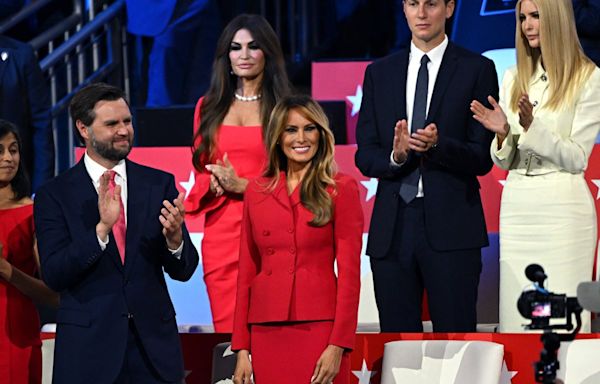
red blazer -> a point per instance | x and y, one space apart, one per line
286 269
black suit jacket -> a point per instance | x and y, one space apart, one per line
98 294
453 212
25 101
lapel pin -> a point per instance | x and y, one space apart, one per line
4 55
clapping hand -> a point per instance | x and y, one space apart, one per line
171 217
525 112
422 140
492 119
109 206
224 177
400 144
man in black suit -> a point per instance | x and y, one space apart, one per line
416 134
107 229
25 101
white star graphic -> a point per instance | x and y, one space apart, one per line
364 375
597 184
371 186
356 100
502 182
188 185
227 351
506 375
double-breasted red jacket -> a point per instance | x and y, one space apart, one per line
286 268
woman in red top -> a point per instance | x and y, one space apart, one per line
20 345
247 80
293 315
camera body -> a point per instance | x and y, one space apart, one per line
540 306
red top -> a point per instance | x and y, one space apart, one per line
246 152
19 321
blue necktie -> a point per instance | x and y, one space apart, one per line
410 182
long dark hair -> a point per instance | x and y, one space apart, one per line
223 83
20 183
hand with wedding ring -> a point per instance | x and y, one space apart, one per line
422 140
224 178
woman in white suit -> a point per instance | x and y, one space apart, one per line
545 123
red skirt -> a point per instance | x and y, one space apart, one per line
288 352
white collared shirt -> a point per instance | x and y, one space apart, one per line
95 170
414 63
433 67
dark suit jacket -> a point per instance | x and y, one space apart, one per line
97 293
25 101
587 18
453 211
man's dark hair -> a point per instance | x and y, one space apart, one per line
83 103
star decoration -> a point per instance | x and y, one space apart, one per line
227 351
502 182
371 186
364 375
188 185
356 100
597 184
506 375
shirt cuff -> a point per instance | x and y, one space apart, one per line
393 162
177 252
103 243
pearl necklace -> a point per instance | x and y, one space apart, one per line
247 98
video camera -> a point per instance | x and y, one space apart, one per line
541 305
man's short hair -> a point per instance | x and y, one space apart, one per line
83 103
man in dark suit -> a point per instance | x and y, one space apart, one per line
25 101
416 134
106 230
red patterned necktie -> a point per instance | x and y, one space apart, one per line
119 229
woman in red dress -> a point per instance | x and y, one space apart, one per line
20 345
229 123
293 315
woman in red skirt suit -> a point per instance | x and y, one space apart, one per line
20 344
294 317
247 80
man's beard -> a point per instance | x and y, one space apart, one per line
107 151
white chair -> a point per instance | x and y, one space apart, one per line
579 362
442 362
47 360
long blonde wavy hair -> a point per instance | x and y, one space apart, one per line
319 176
563 58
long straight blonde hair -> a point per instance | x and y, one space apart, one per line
563 58
319 177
